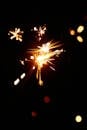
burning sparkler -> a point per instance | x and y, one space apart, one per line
44 55
40 31
17 33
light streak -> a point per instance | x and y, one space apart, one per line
22 76
17 81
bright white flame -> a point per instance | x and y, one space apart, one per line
78 118
16 82
23 75
80 29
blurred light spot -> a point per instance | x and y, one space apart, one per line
79 39
23 75
72 32
33 68
80 29
22 62
35 29
16 82
78 118
31 57
40 82
46 99
39 38
34 113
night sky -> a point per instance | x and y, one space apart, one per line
63 95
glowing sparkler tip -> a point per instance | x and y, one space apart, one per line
44 55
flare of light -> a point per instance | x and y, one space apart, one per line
22 76
44 55
80 29
78 118
79 39
17 34
17 81
40 31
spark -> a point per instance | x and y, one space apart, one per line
22 62
17 81
17 34
40 31
22 75
44 55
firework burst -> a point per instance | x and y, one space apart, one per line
44 55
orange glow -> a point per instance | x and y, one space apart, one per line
72 32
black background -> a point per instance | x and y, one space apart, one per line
66 86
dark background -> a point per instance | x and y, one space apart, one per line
66 87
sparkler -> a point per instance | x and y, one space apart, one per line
40 31
17 33
44 55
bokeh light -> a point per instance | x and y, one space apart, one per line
47 99
72 32
78 118
79 39
80 29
